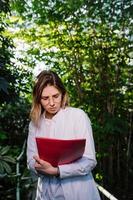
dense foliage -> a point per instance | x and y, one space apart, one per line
89 44
14 107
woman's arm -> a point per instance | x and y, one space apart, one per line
84 165
80 167
31 148
34 163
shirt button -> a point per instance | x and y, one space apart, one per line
82 169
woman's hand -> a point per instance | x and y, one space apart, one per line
45 167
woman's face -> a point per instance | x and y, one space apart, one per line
51 100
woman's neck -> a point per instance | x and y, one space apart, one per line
49 115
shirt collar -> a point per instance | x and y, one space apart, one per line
54 118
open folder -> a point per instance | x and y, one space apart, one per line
58 151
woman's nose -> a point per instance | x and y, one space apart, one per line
51 101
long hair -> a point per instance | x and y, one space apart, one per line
43 79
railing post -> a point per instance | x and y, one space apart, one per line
105 192
18 174
18 180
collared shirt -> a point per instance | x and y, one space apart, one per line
68 123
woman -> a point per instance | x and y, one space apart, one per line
52 118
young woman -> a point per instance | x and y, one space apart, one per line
52 118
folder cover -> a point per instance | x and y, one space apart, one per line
58 151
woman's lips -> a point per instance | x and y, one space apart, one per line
52 109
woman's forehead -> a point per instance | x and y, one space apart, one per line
50 90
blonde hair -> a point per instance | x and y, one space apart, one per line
43 79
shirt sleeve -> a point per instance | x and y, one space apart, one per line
84 165
81 167
31 148
84 126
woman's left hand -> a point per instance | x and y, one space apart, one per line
45 167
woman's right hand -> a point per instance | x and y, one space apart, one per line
45 167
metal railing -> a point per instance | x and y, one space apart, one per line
18 173
105 192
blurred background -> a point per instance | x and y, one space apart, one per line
90 45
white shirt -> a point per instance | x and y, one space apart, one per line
68 123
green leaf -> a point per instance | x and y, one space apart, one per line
1 168
4 150
6 167
8 159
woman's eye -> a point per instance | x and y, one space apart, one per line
56 96
45 98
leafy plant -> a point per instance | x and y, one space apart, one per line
5 160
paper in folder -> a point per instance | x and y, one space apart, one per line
58 151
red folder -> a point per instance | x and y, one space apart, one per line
58 151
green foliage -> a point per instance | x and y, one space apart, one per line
4 6
5 160
89 44
14 109
16 118
19 5
3 85
6 45
3 135
99 177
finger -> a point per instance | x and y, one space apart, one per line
37 165
46 163
36 158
